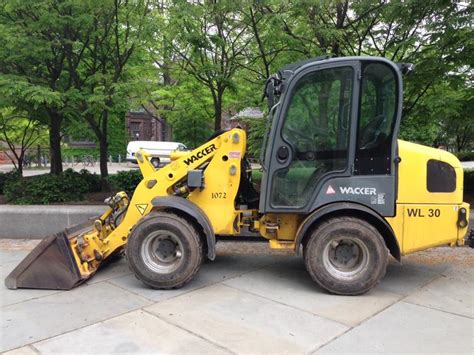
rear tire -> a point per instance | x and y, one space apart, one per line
164 251
346 256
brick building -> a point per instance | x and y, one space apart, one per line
144 126
4 159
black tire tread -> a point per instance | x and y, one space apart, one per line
338 221
177 219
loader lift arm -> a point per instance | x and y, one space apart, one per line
168 188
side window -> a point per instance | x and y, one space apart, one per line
440 177
316 126
377 115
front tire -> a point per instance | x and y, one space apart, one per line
164 251
346 256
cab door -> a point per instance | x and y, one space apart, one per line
311 135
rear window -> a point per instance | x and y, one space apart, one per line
440 177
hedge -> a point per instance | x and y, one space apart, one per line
5 177
125 181
44 189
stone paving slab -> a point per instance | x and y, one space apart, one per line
37 319
404 280
288 282
8 297
134 332
406 328
461 272
25 350
454 295
250 300
111 271
223 268
245 323
7 257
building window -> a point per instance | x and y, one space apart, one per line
135 129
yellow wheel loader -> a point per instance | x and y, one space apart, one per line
337 186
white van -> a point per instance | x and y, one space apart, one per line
159 151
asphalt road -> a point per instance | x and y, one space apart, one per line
249 300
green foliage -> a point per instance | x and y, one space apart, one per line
46 189
125 181
256 176
255 138
190 119
6 177
116 139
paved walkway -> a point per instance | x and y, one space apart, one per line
112 167
249 300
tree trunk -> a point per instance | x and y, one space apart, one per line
104 151
55 144
218 112
103 144
104 148
20 160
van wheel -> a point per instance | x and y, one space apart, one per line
164 251
346 256
155 162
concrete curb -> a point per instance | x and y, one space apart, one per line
38 221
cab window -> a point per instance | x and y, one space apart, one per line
377 116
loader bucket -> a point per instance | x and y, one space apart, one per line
51 264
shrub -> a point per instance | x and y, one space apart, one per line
91 182
5 177
125 181
45 189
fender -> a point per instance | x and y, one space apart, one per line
186 207
339 208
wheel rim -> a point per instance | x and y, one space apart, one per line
345 257
162 252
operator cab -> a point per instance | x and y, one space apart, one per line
331 135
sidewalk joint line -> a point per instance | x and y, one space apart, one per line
288 305
437 309
189 331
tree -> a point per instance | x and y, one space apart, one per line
101 82
20 133
34 40
210 39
